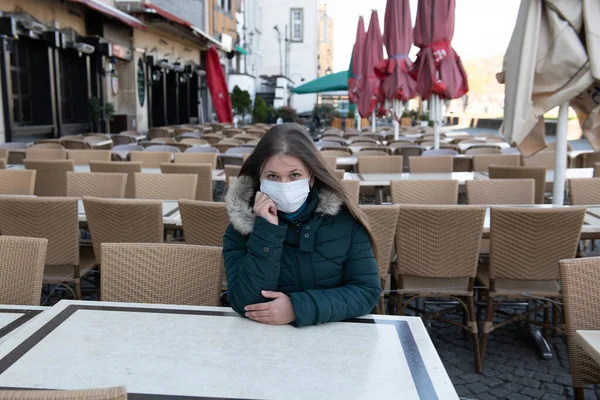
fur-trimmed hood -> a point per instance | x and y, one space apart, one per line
241 215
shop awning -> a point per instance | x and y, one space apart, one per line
105 9
241 50
327 83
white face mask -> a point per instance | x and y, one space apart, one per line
288 197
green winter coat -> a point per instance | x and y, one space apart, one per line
324 260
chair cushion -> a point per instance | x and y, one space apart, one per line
515 289
435 287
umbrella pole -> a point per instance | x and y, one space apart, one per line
373 122
396 122
435 111
560 169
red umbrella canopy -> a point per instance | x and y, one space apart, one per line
215 78
396 83
355 81
373 55
433 34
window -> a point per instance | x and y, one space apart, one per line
297 23
20 70
66 86
225 5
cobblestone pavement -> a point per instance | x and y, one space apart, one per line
512 369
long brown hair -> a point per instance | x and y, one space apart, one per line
293 140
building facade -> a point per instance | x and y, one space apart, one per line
65 63
325 42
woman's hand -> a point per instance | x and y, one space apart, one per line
266 208
276 312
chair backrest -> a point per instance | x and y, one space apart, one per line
51 176
17 182
482 162
191 135
439 152
196 158
383 221
339 173
431 164
373 152
123 221
456 232
528 243
336 153
580 287
194 142
165 186
34 153
160 132
596 170
331 161
584 191
424 192
55 219
48 145
96 184
352 188
83 157
150 159
546 159
587 160
162 273
232 171
483 150
76 144
240 150
328 143
86 394
123 139
129 168
204 222
500 191
381 165
22 262
204 183
536 173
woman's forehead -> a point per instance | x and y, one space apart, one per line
282 162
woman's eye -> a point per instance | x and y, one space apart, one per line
295 175
271 176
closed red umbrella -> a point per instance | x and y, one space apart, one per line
215 78
373 54
355 81
433 34
396 83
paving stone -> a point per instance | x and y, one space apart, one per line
462 390
535 393
477 387
512 387
552 388
523 373
553 396
487 396
500 393
529 382
472 377
517 396
457 381
544 377
493 382
563 380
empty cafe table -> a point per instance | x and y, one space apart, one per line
159 351
589 342
13 318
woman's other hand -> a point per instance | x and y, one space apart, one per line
266 208
276 312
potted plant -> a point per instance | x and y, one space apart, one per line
424 119
406 119
349 123
96 111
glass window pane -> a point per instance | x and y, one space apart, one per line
16 111
24 83
26 110
14 76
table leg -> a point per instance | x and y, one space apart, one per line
540 343
379 195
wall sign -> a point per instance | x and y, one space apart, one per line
114 83
141 82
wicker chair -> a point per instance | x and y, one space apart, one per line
352 188
76 144
482 162
596 170
150 159
584 191
83 157
580 280
425 192
22 262
213 138
123 221
51 176
536 173
380 165
545 159
204 222
196 158
501 191
49 144
55 219
431 164
165 186
331 162
123 139
231 171
482 150
35 153
88 394
585 160
407 151
339 173
162 273
129 168
17 182
204 185
526 245
374 151
96 184
446 270
383 221
341 152
194 142
160 132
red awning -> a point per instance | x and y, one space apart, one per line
113 12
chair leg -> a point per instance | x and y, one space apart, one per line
546 319
579 393
78 289
381 306
555 316
489 319
399 304
472 323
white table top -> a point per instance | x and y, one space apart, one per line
465 146
384 179
589 342
13 318
171 215
211 352
217 174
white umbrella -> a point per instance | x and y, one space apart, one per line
547 64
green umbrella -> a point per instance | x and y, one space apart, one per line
327 83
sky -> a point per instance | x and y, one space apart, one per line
483 27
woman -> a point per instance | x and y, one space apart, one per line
297 249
